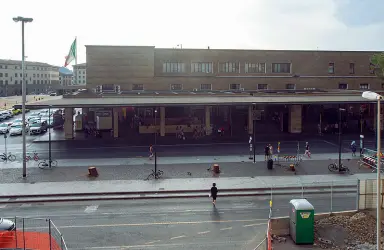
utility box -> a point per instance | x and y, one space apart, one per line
301 221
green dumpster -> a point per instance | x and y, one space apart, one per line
301 221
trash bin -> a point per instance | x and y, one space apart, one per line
270 164
301 221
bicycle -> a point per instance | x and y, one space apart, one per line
10 157
44 164
35 157
155 175
334 167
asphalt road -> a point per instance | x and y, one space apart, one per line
235 223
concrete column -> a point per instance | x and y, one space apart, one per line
68 123
162 121
250 119
115 122
295 119
208 120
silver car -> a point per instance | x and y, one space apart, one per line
6 226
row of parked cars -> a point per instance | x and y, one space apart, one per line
36 123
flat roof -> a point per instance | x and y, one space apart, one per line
79 102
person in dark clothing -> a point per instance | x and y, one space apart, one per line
214 193
266 152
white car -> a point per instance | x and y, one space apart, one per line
6 226
6 114
17 129
5 127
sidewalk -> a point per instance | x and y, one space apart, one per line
176 184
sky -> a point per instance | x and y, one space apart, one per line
224 24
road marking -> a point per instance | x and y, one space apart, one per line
226 228
178 237
205 232
25 205
156 223
91 209
3 206
151 242
257 224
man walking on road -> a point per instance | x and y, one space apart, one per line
214 193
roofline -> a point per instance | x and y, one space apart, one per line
127 46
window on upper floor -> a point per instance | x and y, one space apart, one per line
6 74
254 68
290 86
201 67
137 86
331 68
34 81
6 82
281 68
34 68
5 67
15 67
234 86
1 74
21 75
83 81
262 86
173 67
176 86
38 81
1 66
1 82
15 81
38 75
229 67
364 86
343 86
205 86
34 75
351 68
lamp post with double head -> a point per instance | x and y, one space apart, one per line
23 20
376 97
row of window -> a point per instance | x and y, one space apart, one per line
27 67
225 67
26 81
234 67
26 75
237 86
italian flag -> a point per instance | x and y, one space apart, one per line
72 54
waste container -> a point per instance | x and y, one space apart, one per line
270 164
301 221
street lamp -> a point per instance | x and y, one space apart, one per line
23 20
376 97
340 131
155 144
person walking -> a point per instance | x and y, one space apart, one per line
307 151
150 152
270 151
353 148
214 193
266 152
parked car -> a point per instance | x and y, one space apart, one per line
5 127
17 129
38 128
6 226
16 111
53 94
6 114
2 116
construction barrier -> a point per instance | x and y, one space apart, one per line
369 158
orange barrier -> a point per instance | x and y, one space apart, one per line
269 236
31 240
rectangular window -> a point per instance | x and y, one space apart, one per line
364 86
1 82
21 75
173 67
262 86
83 81
15 67
6 74
351 68
34 75
34 81
331 68
229 67
281 68
5 67
1 66
34 68
206 86
234 86
137 87
15 74
15 81
45 75
26 81
6 82
38 81
1 74
343 86
201 67
38 75
290 86
177 86
254 67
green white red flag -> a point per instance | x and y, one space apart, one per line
72 54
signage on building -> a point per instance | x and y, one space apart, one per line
103 113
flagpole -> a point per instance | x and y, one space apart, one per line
76 60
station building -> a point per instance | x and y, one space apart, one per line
142 90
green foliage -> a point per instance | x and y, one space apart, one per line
378 61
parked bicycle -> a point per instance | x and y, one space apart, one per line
9 157
29 157
155 175
334 167
44 164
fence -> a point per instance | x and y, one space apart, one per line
368 194
34 233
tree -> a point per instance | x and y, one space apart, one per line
378 61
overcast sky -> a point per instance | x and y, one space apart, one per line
240 24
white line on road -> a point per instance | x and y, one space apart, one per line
151 242
204 232
226 228
257 224
3 206
178 237
91 209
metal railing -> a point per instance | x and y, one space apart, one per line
34 233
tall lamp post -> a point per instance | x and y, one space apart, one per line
340 131
155 144
376 97
23 20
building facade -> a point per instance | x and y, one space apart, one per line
130 68
40 77
65 77
80 74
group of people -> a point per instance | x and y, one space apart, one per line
268 151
